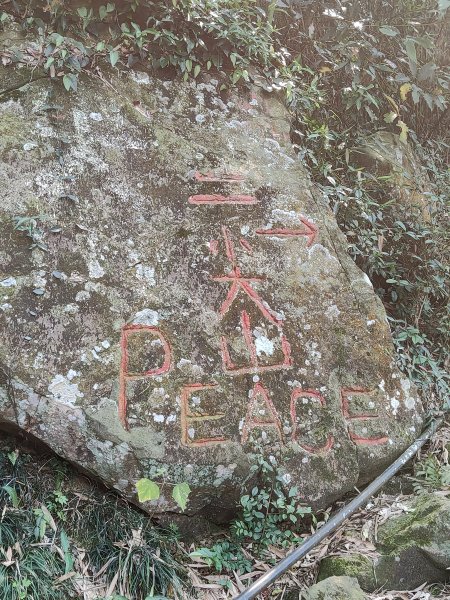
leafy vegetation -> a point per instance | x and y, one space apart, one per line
59 534
271 516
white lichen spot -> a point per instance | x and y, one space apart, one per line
332 312
395 404
106 344
263 345
147 316
140 77
371 322
63 391
82 295
95 116
95 269
158 418
410 401
245 229
71 374
8 282
146 273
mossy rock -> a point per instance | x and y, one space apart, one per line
335 588
352 565
414 548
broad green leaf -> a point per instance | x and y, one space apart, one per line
113 57
196 70
391 31
67 81
102 12
180 494
410 47
12 495
147 490
13 457
443 5
82 11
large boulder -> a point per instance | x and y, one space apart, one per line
176 296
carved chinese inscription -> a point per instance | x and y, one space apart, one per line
242 314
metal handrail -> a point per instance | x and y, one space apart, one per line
286 563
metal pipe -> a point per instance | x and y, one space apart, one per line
268 578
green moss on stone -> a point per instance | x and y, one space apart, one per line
353 565
416 528
336 588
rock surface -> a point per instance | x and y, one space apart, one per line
335 588
175 293
412 549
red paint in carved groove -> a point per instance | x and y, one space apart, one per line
214 199
362 441
310 232
242 283
247 332
223 178
345 393
229 246
214 247
187 417
124 376
246 246
356 439
251 423
300 393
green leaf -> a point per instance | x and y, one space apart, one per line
390 117
82 11
197 70
12 495
404 131
180 494
443 5
113 57
67 81
13 457
147 490
102 12
410 47
391 31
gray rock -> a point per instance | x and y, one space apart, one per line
208 304
335 588
413 548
